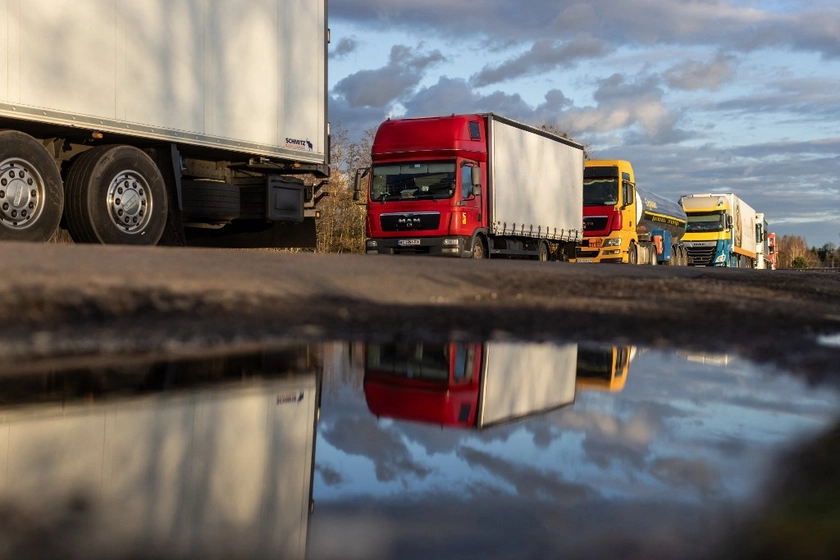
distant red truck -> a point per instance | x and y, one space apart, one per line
771 251
473 186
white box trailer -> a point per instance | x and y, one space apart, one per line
535 183
133 119
521 380
221 473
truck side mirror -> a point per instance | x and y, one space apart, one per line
728 222
357 183
629 195
475 180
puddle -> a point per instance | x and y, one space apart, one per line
831 340
340 450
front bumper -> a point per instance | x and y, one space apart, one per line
439 246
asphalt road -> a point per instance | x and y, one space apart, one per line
61 304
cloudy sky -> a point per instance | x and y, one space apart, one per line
700 95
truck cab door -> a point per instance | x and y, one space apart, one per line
628 194
469 214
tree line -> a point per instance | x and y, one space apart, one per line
792 252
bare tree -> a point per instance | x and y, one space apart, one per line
793 252
341 228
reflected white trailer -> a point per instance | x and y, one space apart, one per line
173 121
225 473
521 380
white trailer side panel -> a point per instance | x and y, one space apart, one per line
248 76
536 186
524 379
225 473
745 220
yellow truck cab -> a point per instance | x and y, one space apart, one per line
623 224
603 367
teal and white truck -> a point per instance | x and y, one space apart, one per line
722 230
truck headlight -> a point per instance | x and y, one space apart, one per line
449 242
371 243
613 242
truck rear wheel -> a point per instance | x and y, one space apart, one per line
116 194
31 195
543 251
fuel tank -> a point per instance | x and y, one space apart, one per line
655 212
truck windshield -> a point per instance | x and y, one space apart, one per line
412 181
429 362
600 191
595 363
705 221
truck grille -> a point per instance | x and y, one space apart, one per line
594 223
700 256
583 253
410 221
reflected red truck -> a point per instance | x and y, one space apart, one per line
468 385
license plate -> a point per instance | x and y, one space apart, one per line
583 260
594 243
408 242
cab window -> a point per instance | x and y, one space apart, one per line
466 181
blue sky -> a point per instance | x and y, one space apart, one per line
700 95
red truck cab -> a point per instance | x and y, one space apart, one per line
771 251
429 383
425 194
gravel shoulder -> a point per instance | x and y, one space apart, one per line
63 304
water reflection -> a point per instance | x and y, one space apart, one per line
454 450
208 459
603 366
468 385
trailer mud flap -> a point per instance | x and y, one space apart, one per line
285 199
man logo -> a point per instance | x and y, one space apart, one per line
409 222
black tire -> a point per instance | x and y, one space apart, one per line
31 194
653 258
479 250
210 201
674 260
116 194
543 252
633 254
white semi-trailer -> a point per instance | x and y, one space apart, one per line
172 121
